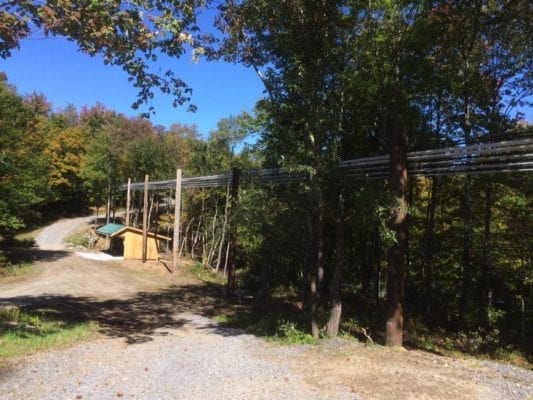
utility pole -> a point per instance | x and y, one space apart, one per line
128 203
145 220
177 218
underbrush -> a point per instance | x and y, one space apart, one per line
278 320
482 344
281 320
85 240
22 332
269 326
200 271
12 266
14 254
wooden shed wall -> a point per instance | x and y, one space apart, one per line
133 245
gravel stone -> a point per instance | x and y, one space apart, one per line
199 361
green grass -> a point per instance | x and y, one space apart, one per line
15 252
268 326
28 236
22 333
79 239
15 269
198 270
280 321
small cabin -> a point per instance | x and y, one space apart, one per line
129 241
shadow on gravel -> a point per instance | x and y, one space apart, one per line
137 319
17 251
17 256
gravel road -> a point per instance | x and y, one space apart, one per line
157 342
198 361
52 237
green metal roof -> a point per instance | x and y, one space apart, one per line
110 229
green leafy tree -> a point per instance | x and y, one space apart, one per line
23 169
128 34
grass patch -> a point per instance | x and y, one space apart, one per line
79 239
201 272
288 332
14 252
28 236
269 326
280 320
22 332
15 269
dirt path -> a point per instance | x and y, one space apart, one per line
158 342
60 272
52 237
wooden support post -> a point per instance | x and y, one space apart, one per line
234 194
108 207
128 203
145 220
177 218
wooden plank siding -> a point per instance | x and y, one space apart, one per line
132 239
133 242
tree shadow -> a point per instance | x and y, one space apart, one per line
19 256
15 251
137 319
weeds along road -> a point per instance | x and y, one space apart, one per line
157 340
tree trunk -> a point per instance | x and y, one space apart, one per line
332 328
428 249
231 266
214 240
223 235
185 237
398 223
195 236
317 277
151 208
367 265
376 250
485 264
226 259
467 202
467 250
264 276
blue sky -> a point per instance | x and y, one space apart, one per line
55 67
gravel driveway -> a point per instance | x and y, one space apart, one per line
52 237
157 342
197 361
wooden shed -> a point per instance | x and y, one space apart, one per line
131 241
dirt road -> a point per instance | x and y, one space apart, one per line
52 237
158 342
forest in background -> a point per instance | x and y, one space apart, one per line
342 79
62 162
